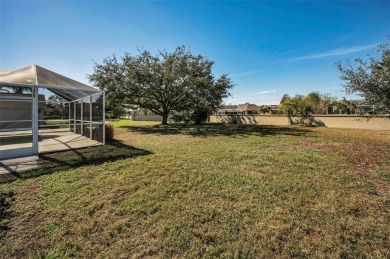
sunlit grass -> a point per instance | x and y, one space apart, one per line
130 123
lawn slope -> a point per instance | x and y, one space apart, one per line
207 191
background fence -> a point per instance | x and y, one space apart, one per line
331 121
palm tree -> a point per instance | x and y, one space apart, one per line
342 105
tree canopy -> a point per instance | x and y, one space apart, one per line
264 109
369 78
59 106
162 83
313 103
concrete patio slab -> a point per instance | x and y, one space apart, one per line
50 141
18 165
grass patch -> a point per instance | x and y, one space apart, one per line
385 175
16 140
207 191
131 123
23 139
6 197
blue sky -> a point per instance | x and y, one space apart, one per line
268 48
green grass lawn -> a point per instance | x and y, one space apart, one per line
23 139
236 191
130 123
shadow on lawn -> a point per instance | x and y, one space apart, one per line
215 129
6 199
59 161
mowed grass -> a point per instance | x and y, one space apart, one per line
23 139
130 123
233 191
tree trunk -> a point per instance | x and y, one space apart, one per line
290 121
165 119
198 121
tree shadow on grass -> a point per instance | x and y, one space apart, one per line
65 160
6 199
306 120
59 161
220 129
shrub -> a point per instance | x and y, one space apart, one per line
184 117
109 132
200 115
196 116
109 116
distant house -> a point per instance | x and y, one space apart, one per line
248 108
229 107
228 110
241 109
274 108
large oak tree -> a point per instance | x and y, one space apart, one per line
162 83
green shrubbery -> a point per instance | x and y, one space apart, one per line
110 132
183 117
197 116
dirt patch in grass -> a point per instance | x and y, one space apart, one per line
358 136
367 159
24 221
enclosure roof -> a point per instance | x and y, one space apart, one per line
2 72
34 75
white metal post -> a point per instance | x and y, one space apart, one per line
35 118
74 117
82 117
104 118
69 115
90 117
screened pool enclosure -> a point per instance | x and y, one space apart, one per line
42 111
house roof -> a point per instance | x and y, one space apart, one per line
229 107
274 106
247 107
34 75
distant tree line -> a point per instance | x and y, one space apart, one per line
317 103
60 108
369 78
313 103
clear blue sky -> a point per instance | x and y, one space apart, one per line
267 48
